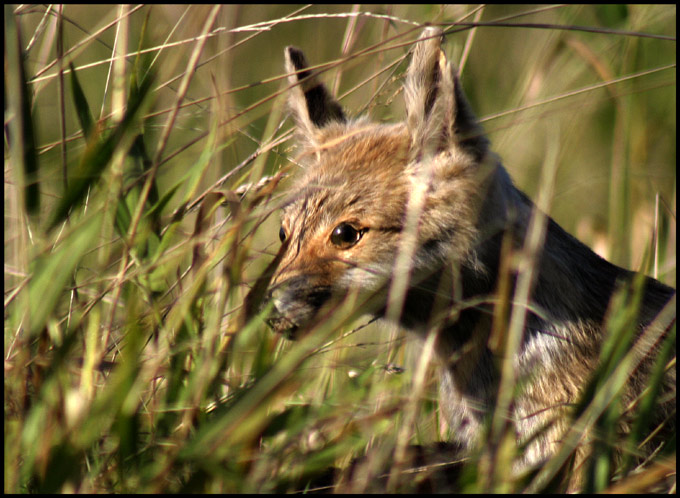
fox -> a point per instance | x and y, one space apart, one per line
419 216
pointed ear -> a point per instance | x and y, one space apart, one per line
311 103
438 115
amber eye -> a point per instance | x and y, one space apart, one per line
345 235
282 234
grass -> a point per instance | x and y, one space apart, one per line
134 361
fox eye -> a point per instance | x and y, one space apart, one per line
345 235
282 234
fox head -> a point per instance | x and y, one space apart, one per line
376 200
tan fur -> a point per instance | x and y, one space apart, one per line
421 209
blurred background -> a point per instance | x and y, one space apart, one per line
616 141
124 253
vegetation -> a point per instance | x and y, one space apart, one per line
147 151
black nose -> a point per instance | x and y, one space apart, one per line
296 302
282 325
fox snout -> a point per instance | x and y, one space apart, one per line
296 302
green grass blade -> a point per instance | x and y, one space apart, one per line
81 105
53 271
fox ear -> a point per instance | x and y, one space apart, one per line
311 103
438 114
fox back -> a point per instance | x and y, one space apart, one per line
416 217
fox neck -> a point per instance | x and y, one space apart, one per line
571 283
457 303
572 288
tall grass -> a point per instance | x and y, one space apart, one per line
139 236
